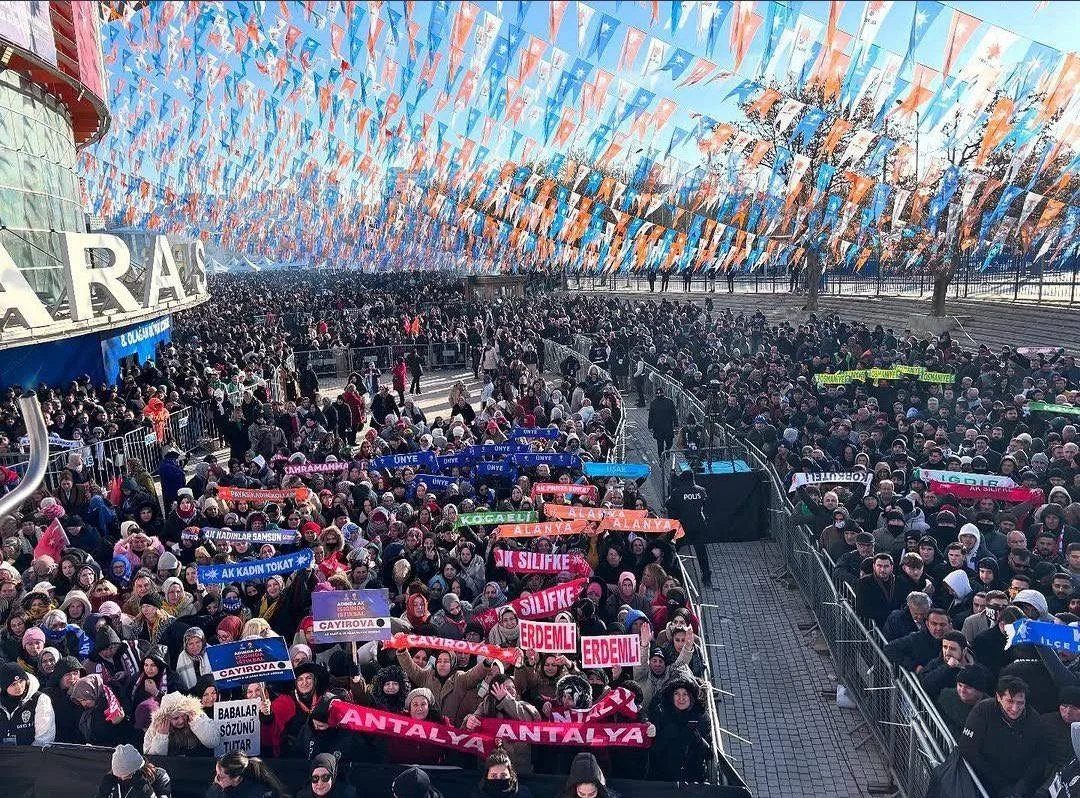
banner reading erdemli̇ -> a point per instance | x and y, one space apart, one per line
609 650
830 478
548 638
264 659
255 570
345 615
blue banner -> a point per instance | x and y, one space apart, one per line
275 537
419 459
459 460
619 470
140 340
255 569
557 459
345 615
549 433
495 450
1044 633
264 659
434 483
504 469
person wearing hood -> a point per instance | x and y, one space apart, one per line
291 710
454 616
585 779
970 538
67 713
174 599
131 776
324 781
683 742
67 638
413 783
193 662
317 739
179 727
26 713
954 596
78 609
447 685
1033 604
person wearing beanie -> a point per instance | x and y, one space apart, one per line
973 684
67 713
419 705
26 714
131 776
324 782
33 644
152 622
413 783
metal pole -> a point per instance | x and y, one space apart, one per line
39 455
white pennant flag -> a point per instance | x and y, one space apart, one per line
902 195
787 112
807 31
1030 201
985 63
584 16
654 57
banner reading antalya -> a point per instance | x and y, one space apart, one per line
263 659
255 570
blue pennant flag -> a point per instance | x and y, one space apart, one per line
604 31
677 63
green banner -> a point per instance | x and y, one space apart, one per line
494 518
1047 407
898 373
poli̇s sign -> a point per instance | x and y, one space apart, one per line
164 285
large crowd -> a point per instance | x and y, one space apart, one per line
105 633
947 504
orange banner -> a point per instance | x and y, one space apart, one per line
595 514
541 530
643 526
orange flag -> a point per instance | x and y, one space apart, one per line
556 10
960 30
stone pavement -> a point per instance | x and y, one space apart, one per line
802 744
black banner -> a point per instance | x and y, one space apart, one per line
78 770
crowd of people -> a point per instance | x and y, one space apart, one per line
105 635
948 505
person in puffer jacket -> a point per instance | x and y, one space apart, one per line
179 727
1066 782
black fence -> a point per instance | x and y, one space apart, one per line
69 770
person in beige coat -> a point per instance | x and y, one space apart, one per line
501 701
446 683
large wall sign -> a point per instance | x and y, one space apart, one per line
160 284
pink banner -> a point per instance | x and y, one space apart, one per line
986 492
600 735
603 652
353 717
531 562
511 656
619 701
541 604
251 495
548 638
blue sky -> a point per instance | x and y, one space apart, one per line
127 146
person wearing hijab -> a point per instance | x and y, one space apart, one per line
193 662
26 713
324 782
103 721
447 685
291 710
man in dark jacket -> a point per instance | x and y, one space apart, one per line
1005 742
876 594
687 503
1066 782
1059 727
662 420
916 650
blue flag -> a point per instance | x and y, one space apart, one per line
618 470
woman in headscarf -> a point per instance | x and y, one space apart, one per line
103 721
506 633
175 600
193 662
324 781
292 710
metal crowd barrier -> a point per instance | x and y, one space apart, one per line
339 363
899 714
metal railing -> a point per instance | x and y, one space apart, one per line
338 363
899 714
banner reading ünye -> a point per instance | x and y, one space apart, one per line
548 638
543 529
608 650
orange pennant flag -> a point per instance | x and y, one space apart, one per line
960 30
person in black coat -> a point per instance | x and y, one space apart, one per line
236 775
68 671
131 776
876 595
663 417
916 650
324 782
687 502
500 779
683 742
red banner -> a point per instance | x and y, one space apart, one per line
251 495
643 526
619 701
986 492
569 512
511 656
346 715
559 489
544 603
541 530
53 541
531 562
600 735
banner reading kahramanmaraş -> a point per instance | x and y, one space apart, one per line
255 570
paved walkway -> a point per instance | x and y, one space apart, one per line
802 743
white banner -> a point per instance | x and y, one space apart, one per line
603 652
962 478
829 478
239 726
